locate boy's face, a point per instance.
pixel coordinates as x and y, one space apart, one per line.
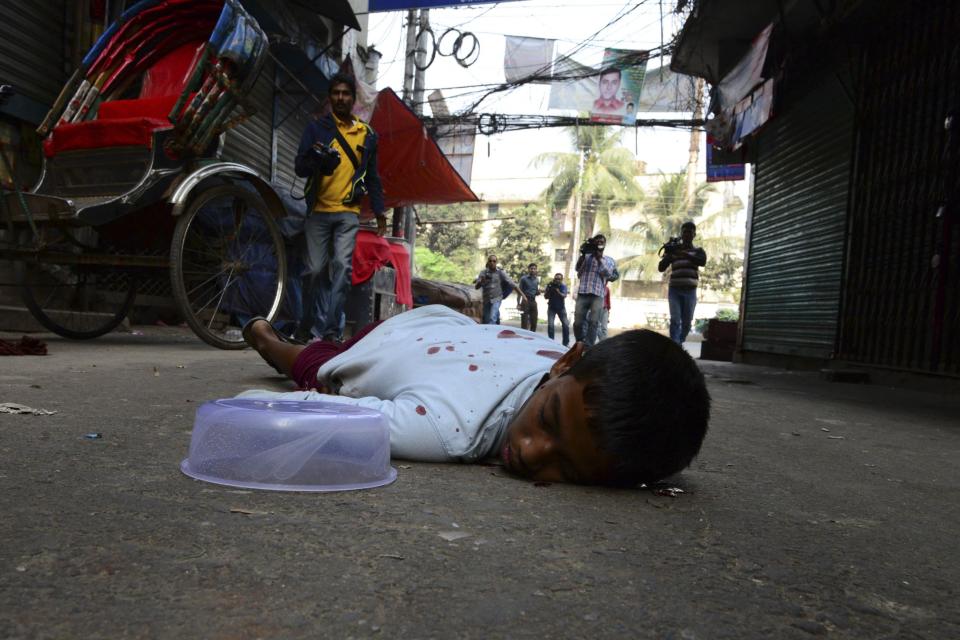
549 439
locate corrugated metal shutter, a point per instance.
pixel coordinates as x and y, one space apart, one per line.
902 304
251 143
292 117
798 229
32 48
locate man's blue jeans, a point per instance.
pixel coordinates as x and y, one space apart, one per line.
564 323
584 325
329 239
682 303
491 311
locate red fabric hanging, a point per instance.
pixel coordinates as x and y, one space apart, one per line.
411 166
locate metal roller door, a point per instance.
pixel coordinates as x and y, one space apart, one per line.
251 143
292 118
32 48
798 228
902 304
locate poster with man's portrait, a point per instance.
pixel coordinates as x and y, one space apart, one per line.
618 86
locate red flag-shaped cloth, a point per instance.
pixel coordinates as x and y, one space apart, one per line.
411 166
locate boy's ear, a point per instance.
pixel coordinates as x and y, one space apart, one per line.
567 360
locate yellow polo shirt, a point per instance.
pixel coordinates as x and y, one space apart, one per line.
333 189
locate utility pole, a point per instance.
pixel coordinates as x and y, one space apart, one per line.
694 146
577 217
421 61
409 66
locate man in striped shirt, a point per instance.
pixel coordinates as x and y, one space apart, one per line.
685 262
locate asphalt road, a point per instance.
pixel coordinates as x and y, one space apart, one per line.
815 508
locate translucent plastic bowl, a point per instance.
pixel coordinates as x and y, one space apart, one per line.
289 446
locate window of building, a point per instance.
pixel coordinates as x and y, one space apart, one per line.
559 255
493 209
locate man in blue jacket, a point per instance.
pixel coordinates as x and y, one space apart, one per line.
338 156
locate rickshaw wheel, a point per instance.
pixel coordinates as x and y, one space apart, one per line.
227 264
77 301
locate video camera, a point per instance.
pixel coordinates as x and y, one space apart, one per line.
325 157
590 247
671 245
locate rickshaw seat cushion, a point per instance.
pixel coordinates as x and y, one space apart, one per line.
99 134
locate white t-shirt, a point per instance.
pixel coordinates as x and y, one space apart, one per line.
447 386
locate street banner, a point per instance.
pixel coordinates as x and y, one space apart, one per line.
618 88
525 58
666 91
398 5
610 94
717 172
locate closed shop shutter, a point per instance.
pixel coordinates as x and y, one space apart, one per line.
902 304
798 228
292 119
251 143
32 48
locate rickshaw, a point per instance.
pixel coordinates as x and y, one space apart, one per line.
131 184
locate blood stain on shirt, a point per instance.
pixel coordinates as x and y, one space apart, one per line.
553 355
433 350
449 347
507 333
419 339
473 367
422 410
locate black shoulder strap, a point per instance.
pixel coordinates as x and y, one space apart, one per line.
346 148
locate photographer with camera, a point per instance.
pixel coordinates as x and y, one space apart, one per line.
556 293
685 261
338 156
595 270
496 284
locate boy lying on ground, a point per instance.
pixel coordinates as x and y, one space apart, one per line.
631 409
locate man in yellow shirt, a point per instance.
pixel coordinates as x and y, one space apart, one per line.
338 156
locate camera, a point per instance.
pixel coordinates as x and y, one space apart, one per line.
591 246
326 158
671 245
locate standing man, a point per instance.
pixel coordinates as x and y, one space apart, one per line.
495 284
595 270
530 286
338 156
556 293
685 261
604 316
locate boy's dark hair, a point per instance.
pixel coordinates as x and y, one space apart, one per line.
343 78
688 225
646 402
532 264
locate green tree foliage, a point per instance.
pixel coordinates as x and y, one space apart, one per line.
435 266
456 242
607 182
661 217
723 274
520 241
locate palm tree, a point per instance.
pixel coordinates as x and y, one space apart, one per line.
600 171
661 218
